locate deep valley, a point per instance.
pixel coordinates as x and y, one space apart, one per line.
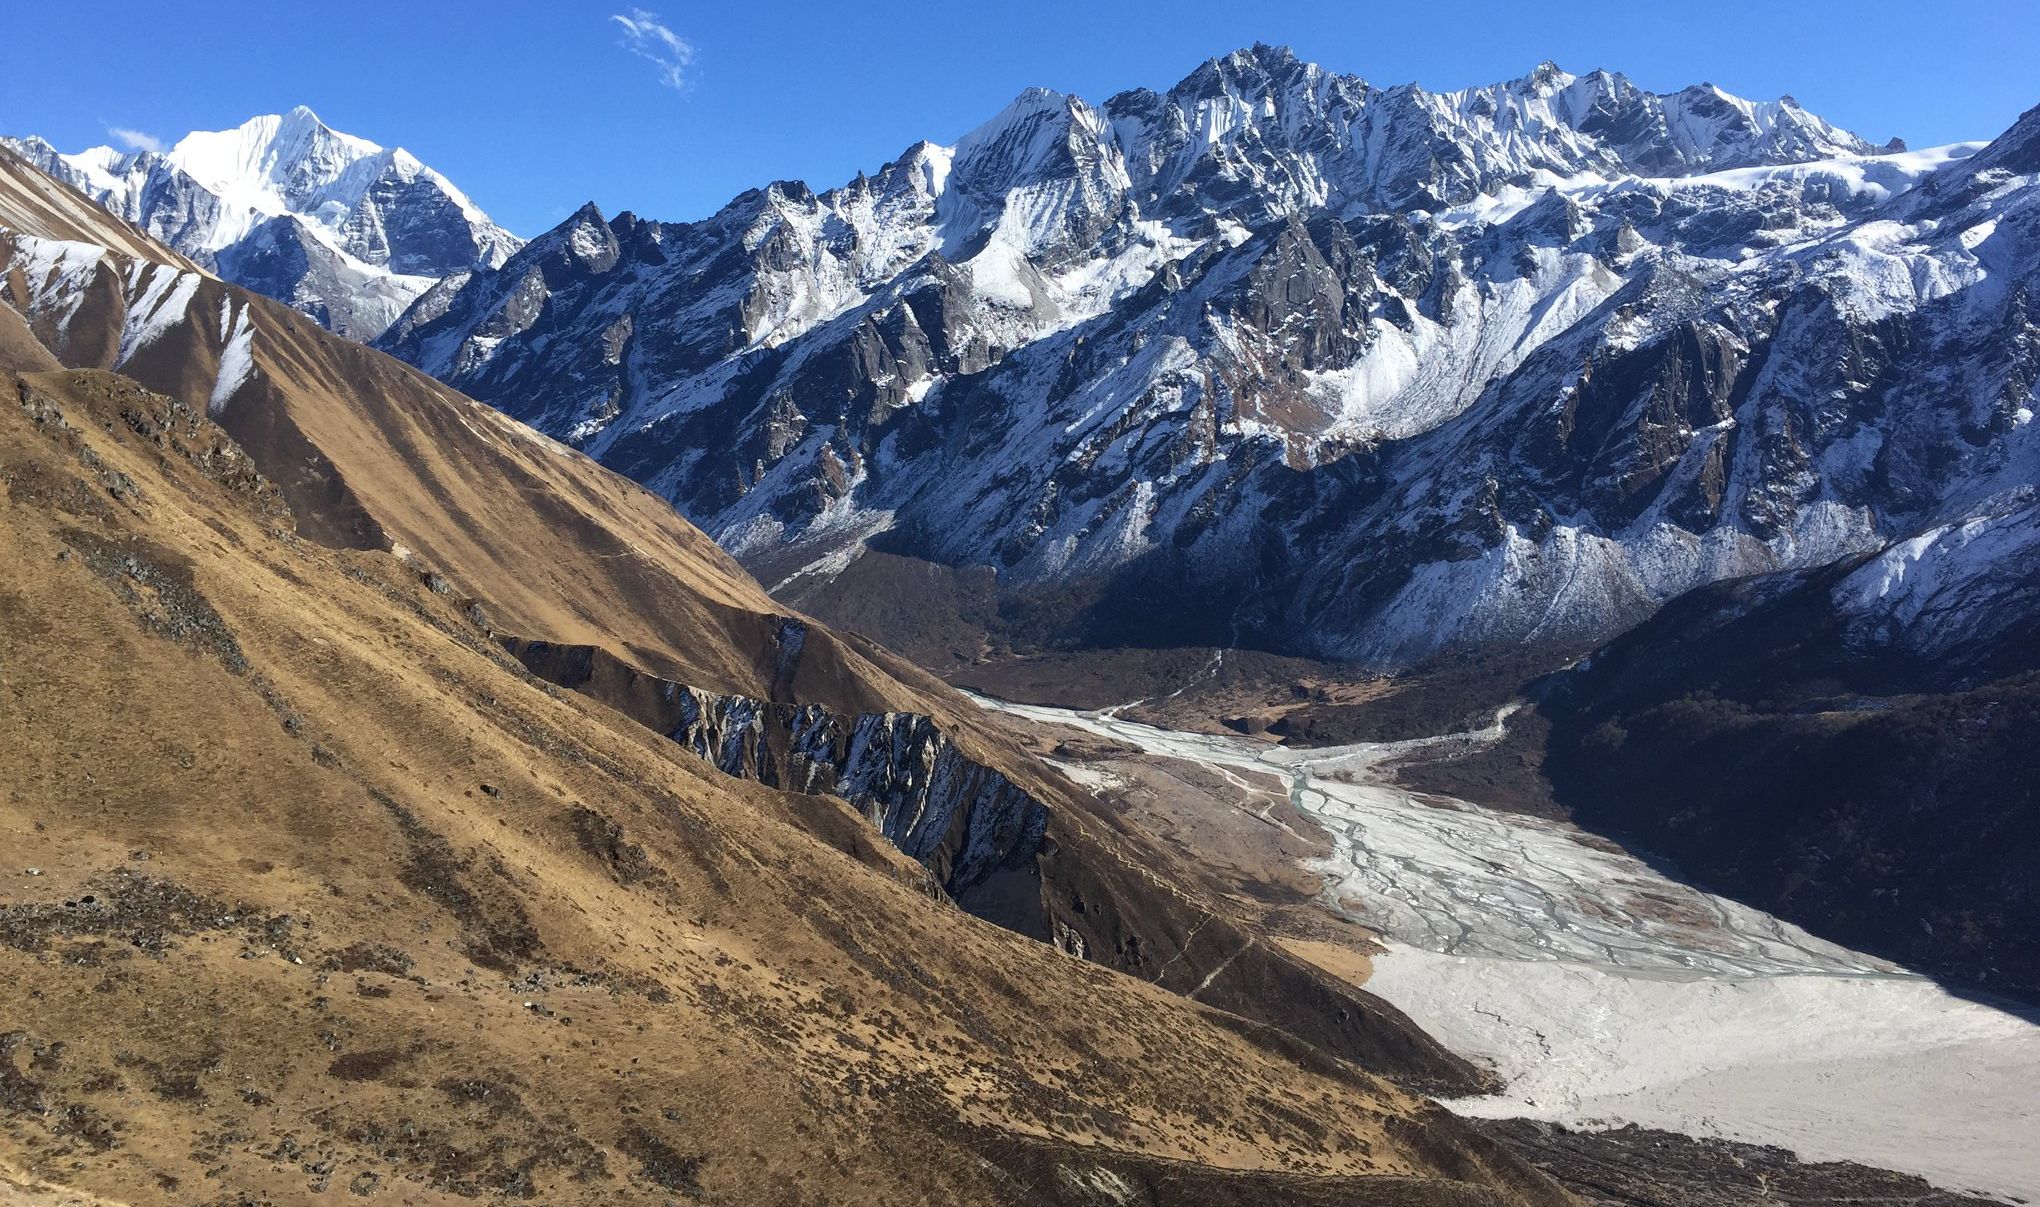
1275 640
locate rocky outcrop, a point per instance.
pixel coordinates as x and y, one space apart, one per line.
964 821
1007 855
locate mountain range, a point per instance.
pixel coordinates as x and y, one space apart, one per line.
1368 374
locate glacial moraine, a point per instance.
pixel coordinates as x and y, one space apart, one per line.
1606 992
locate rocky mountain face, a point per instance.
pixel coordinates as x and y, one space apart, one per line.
339 228
1283 359
961 819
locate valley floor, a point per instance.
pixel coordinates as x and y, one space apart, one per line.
1605 992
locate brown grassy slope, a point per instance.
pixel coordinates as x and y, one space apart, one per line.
20 350
333 898
372 454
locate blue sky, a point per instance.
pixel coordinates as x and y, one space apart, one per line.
534 107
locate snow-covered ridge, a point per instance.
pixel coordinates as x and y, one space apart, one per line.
1035 193
1953 591
157 301
344 229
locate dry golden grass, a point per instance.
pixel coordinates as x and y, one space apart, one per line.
1348 960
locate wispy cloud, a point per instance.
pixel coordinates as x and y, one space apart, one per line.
134 140
645 37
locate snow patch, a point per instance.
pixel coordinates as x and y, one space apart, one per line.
237 354
163 302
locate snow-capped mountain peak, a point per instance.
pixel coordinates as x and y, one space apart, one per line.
278 160
341 227
1547 78
1033 138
